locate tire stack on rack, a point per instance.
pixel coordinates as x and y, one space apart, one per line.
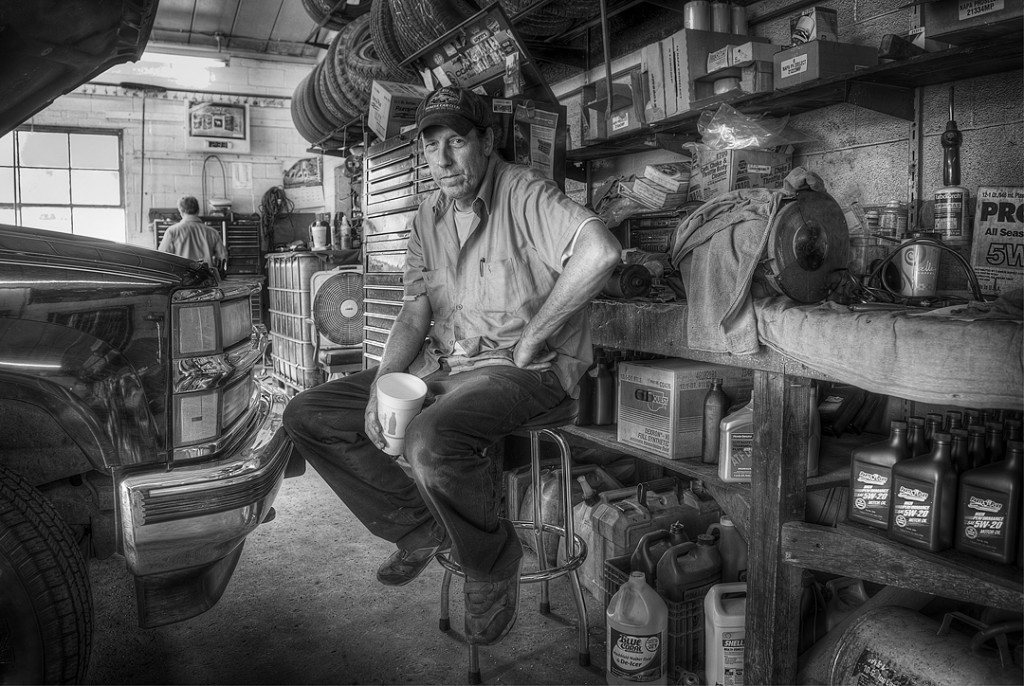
552 19
336 92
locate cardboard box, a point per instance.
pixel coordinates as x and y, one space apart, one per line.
997 248
814 23
628 104
661 403
652 67
753 77
685 58
970 21
820 59
741 55
718 171
392 106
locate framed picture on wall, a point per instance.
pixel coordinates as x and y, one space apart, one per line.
217 126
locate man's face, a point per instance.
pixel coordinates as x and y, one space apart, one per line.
457 163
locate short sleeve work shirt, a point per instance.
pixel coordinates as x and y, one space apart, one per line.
484 292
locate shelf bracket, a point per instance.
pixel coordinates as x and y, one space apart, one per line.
896 101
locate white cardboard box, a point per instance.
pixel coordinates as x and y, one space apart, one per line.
392 106
661 403
997 248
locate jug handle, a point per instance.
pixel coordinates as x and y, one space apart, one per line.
715 529
680 549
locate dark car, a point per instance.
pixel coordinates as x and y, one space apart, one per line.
132 415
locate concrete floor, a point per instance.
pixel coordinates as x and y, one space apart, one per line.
304 607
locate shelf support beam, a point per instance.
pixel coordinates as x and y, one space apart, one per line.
778 495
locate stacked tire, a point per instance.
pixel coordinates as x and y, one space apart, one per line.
337 91
332 14
401 28
553 19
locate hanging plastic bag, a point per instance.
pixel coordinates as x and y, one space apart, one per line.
729 129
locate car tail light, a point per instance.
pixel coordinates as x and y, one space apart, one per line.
197 417
236 399
196 329
235 321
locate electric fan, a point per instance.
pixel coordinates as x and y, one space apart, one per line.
336 309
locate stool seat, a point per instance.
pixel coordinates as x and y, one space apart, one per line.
575 548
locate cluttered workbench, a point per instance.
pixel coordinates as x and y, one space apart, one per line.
970 358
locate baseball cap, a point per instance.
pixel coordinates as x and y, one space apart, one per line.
457 108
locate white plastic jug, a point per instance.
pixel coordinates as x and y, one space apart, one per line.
725 611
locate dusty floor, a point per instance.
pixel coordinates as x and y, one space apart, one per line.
304 607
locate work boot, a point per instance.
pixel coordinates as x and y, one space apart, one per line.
491 608
405 565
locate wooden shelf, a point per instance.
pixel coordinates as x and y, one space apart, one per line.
887 88
859 551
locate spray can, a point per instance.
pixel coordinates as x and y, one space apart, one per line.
636 630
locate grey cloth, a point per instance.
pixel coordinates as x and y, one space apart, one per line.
716 251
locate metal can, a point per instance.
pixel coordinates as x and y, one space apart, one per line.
918 265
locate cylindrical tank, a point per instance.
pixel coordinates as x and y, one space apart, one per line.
896 645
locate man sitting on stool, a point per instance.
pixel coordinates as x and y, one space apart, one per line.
499 270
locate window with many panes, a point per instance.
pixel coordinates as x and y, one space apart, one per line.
67 180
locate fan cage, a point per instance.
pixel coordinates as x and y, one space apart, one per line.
337 307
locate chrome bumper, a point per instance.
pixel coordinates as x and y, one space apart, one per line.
195 515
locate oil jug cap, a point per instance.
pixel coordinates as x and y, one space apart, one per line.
726 520
705 539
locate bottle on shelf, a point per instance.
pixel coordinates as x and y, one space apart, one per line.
736 444
1012 429
732 548
976 445
716 405
585 402
994 441
971 417
871 477
954 420
603 390
989 508
924 498
958 450
932 423
636 633
916 443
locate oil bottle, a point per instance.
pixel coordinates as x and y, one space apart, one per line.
989 508
924 498
716 406
688 568
916 442
732 549
736 445
636 634
871 477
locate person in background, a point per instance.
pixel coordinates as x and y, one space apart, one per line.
194 239
500 267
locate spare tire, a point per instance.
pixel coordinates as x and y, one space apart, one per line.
362 60
421 22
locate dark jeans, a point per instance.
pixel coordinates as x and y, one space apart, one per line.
448 478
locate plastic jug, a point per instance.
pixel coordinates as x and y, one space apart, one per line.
652 546
725 611
688 568
736 445
732 548
636 632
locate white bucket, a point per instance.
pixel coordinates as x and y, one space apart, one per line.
725 610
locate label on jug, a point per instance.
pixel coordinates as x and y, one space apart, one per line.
983 526
870 494
634 657
912 516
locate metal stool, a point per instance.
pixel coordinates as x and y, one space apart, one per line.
575 548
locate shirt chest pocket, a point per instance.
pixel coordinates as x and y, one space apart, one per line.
499 289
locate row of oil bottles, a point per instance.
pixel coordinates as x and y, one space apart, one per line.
701 586
945 481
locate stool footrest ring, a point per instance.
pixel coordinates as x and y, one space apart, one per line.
567 566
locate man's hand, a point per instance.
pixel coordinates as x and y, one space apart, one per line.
371 424
533 357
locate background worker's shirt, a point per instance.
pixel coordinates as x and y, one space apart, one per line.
193 239
483 293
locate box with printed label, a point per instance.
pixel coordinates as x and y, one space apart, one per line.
751 77
392 106
820 59
740 55
627 107
652 68
997 248
961 22
685 58
718 171
661 403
